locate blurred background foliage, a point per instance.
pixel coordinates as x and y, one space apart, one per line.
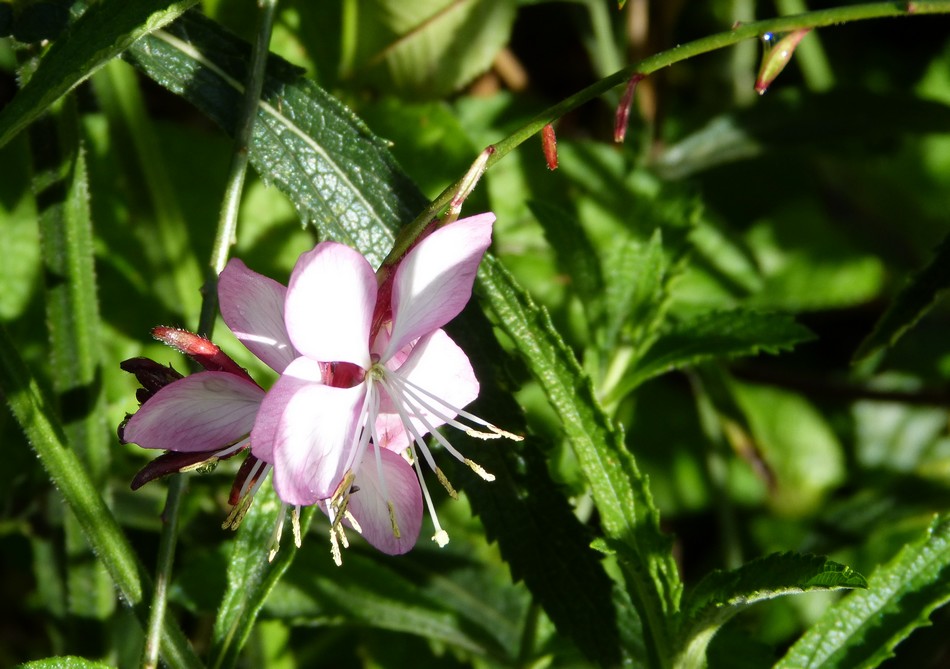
817 200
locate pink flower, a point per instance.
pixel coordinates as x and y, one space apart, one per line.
375 374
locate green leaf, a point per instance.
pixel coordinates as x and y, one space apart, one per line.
920 294
637 277
576 257
36 416
863 629
620 492
804 463
430 48
722 594
251 575
341 178
365 592
19 243
64 662
792 122
715 336
170 254
527 513
103 32
72 315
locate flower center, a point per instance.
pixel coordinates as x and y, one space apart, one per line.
343 374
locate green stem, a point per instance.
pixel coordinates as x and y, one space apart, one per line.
224 239
817 19
227 222
166 556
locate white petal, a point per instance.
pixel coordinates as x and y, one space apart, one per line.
434 281
306 431
252 305
330 303
201 412
435 364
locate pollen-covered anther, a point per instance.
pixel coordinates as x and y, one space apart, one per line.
335 548
494 432
477 468
203 467
238 511
392 519
441 537
275 536
443 479
353 522
340 500
295 525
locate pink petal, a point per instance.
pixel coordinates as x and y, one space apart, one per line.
330 302
434 281
252 305
306 431
202 412
436 364
370 507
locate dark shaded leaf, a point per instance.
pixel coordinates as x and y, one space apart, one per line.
103 32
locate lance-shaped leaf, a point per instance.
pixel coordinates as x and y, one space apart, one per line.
714 336
72 316
103 32
722 594
340 177
863 629
34 412
251 575
620 492
920 294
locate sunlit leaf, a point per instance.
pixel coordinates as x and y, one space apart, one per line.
863 629
430 47
722 594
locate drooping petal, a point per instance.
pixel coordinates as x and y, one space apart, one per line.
330 302
369 505
434 281
436 364
252 305
201 412
306 431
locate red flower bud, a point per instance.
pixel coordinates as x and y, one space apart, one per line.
549 146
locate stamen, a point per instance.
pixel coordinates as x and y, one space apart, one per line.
335 548
340 499
353 522
392 519
233 521
440 537
369 408
445 483
203 467
251 485
295 524
477 468
343 539
278 531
